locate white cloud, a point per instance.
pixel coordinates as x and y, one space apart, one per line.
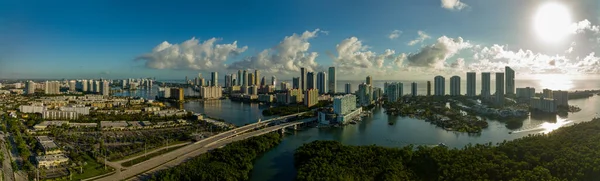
453 5
422 37
191 54
352 54
435 55
582 26
395 34
287 57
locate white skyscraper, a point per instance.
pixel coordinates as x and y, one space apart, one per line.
485 84
72 86
303 79
30 87
510 80
440 86
332 81
322 82
273 80
455 86
471 84
105 88
344 104
52 87
240 78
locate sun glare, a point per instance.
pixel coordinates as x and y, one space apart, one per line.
552 21
555 82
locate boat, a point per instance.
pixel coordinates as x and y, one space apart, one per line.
390 123
352 122
510 132
442 144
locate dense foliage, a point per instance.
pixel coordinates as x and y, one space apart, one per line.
570 153
292 109
232 162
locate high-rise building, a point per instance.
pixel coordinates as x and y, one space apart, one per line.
257 78
296 83
202 82
244 79
428 88
251 79
82 85
440 85
228 80
186 80
177 94
525 93
370 80
311 80
413 89
486 84
348 88
105 88
52 87
365 94
263 82
311 97
30 87
211 92
393 91
273 80
240 78
303 79
543 104
72 86
500 88
96 86
471 84
561 98
547 93
332 84
377 92
91 85
284 86
322 82
344 104
214 79
510 80
455 86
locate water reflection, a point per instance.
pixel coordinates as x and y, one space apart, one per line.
555 81
549 127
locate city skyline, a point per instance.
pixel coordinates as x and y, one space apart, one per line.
103 43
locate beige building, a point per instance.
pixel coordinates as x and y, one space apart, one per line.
311 97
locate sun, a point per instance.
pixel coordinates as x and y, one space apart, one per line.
552 21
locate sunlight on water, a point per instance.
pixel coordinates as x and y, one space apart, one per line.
549 127
555 82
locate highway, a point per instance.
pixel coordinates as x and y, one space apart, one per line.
178 156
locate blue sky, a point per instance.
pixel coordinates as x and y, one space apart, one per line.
115 39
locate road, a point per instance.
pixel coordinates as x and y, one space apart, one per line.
6 166
117 164
188 151
211 146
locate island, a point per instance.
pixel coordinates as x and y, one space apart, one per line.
553 156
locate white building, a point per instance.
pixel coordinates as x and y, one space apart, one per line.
105 88
344 104
51 161
52 87
32 108
30 87
440 86
59 115
211 92
78 110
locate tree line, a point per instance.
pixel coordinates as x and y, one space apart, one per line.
569 153
232 162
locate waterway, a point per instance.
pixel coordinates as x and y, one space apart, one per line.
277 164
